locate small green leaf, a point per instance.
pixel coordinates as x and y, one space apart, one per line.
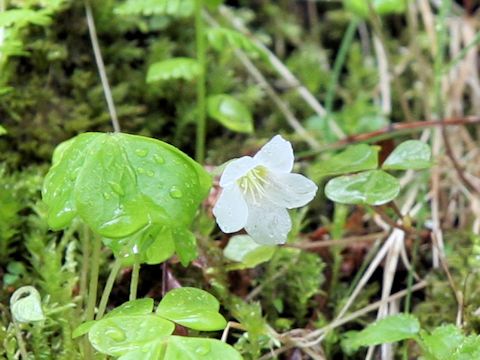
82 329
176 68
119 335
192 308
185 245
382 7
26 305
222 39
390 329
411 154
354 159
3 131
443 341
374 187
134 307
177 8
22 17
230 112
242 249
185 348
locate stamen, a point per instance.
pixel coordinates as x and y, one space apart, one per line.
253 183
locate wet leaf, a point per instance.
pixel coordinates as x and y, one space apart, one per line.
374 187
184 348
192 308
123 186
411 154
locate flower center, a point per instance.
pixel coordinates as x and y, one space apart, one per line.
253 182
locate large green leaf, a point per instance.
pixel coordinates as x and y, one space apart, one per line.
374 187
354 159
390 329
177 8
193 308
176 68
411 154
242 249
184 348
121 334
124 185
230 112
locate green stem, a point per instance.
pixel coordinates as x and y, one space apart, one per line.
201 85
85 265
338 228
338 64
21 344
93 285
108 288
134 281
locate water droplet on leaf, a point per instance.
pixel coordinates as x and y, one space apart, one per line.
116 188
150 173
106 196
115 334
141 170
175 192
203 349
141 152
158 159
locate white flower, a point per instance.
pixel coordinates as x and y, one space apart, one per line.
257 191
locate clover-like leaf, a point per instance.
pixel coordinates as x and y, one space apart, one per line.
118 335
230 112
242 249
374 187
387 330
176 68
192 308
185 348
26 305
133 307
354 159
124 185
411 154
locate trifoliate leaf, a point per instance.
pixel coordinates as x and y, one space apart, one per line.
176 68
125 186
374 187
192 308
230 112
411 154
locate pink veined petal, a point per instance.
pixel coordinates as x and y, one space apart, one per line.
290 190
231 211
235 169
268 224
276 155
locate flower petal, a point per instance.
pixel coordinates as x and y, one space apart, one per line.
231 211
268 224
237 168
276 155
290 190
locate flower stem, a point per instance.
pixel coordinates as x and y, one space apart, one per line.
134 281
108 288
93 285
201 86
